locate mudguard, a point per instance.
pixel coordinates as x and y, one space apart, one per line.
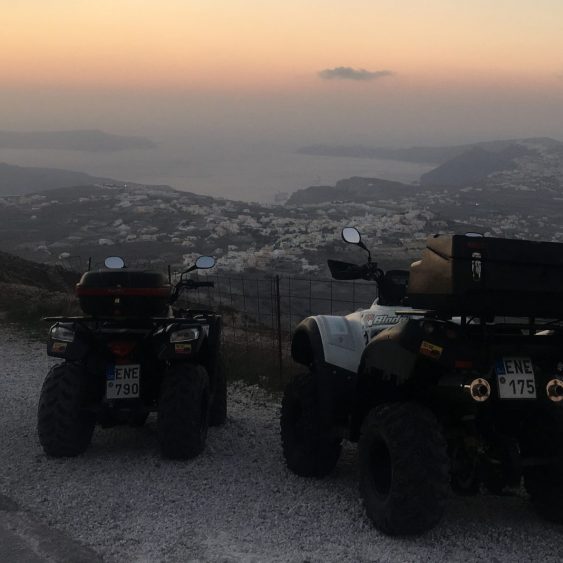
332 348
391 356
340 341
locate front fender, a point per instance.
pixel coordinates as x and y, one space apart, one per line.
335 385
306 344
336 341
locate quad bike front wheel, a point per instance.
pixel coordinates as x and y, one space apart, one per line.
64 424
183 411
404 468
309 449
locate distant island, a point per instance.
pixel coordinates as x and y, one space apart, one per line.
88 140
18 180
436 155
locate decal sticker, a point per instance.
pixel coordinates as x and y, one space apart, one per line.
371 319
368 319
431 350
385 320
59 347
183 348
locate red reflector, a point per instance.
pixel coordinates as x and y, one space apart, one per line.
463 364
121 349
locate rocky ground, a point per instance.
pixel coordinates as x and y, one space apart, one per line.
236 502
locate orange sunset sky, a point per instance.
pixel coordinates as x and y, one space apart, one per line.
178 63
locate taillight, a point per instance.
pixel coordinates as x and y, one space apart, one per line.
121 349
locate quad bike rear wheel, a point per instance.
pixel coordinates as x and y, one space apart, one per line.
309 449
64 424
544 483
183 411
404 468
545 488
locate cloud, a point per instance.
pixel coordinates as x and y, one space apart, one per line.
349 73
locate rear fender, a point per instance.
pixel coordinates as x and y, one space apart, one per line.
387 366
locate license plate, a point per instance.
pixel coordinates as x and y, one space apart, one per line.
516 378
123 381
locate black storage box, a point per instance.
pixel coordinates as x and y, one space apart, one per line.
123 293
468 275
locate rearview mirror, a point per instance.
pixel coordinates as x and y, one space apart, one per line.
114 262
351 235
205 262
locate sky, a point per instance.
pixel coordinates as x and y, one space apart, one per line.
377 72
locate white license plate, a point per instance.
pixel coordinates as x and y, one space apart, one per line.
516 378
123 381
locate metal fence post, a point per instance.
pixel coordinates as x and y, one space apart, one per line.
279 325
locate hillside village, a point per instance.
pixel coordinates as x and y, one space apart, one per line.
158 225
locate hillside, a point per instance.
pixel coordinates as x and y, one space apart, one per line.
436 154
29 290
350 190
16 270
16 180
473 166
157 225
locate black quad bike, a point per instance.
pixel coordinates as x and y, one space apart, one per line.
456 381
130 355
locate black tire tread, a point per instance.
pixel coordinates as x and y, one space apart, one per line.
544 484
65 428
420 469
184 393
318 454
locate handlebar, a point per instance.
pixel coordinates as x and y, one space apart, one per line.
204 284
188 284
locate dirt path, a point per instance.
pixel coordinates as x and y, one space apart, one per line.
236 502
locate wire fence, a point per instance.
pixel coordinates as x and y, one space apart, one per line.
261 313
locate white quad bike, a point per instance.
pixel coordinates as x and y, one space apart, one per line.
453 377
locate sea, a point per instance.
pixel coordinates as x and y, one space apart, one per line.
263 172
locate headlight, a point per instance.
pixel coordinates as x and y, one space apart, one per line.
61 333
184 335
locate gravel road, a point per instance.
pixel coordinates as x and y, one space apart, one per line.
236 502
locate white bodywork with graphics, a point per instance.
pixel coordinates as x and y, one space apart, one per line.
345 338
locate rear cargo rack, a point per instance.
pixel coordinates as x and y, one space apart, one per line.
487 277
